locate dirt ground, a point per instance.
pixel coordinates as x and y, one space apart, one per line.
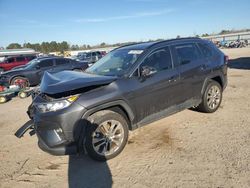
188 149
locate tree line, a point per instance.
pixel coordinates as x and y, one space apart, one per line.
53 46
44 47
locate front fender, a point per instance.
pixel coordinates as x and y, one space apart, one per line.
121 103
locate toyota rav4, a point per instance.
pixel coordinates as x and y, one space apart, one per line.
93 112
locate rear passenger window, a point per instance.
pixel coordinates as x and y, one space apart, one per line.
160 60
20 59
46 63
206 50
187 53
29 58
10 60
61 61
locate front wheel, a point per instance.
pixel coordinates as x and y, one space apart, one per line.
20 81
106 135
212 97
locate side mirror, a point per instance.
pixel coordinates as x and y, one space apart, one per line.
38 67
147 71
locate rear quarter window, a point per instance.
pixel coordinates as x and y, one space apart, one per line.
186 53
61 61
206 50
46 63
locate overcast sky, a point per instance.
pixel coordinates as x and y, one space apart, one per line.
111 21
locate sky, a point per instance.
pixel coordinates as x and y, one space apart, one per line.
111 21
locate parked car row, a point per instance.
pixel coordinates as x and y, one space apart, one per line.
90 57
31 73
231 44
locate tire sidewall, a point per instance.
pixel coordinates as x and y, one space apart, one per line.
94 122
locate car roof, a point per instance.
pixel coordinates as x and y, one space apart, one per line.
49 57
137 46
146 45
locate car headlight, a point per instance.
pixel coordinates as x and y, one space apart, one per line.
55 105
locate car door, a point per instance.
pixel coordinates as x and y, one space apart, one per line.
159 91
42 66
188 58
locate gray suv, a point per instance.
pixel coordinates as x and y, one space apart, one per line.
133 85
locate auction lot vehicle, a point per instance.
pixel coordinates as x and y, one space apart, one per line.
5 92
32 72
126 89
90 57
12 62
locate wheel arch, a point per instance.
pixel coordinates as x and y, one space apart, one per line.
118 106
15 76
218 78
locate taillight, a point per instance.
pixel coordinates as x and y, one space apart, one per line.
226 59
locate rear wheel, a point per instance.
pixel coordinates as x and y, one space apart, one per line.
212 97
106 135
20 81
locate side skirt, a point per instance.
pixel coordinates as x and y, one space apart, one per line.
167 112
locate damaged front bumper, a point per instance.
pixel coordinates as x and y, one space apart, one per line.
58 132
28 126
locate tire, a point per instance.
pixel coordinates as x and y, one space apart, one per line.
22 94
3 99
20 81
211 98
101 143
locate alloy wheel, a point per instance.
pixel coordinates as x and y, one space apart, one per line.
108 137
213 97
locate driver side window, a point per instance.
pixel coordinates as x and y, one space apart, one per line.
159 60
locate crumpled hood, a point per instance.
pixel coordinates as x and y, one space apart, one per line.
71 80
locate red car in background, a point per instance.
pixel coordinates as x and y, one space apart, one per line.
12 62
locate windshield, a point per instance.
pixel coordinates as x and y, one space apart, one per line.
31 63
115 63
